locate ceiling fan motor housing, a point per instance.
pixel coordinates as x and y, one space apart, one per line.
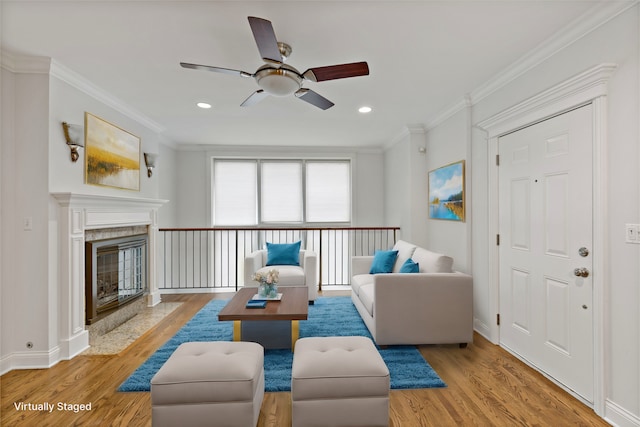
282 81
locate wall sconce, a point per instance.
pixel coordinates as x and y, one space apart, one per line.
74 136
150 161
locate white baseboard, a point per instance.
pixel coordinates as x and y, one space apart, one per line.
619 417
153 299
482 328
5 364
29 360
74 346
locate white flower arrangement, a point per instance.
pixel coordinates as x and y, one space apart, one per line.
270 277
268 281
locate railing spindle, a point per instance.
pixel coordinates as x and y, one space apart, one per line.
220 254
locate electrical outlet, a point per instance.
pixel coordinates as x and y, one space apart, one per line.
28 223
631 233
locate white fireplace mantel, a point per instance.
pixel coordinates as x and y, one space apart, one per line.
109 211
77 213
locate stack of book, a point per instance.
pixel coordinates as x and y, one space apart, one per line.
252 303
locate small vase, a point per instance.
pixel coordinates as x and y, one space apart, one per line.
267 290
273 290
262 290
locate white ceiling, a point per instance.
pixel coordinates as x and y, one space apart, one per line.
424 56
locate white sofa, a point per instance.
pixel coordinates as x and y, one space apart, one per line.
433 306
306 274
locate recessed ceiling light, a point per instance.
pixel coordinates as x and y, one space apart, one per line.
203 105
364 109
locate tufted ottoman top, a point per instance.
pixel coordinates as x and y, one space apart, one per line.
337 367
209 372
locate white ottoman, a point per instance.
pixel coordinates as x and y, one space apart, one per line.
339 381
209 383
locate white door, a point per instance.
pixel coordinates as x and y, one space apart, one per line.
545 208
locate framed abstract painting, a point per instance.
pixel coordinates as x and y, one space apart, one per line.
112 155
446 192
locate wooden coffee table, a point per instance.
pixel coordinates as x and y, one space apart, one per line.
276 325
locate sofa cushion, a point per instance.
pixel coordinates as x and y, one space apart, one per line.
431 262
283 253
360 279
405 251
288 275
383 262
410 266
366 297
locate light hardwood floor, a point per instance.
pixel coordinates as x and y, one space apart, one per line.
486 387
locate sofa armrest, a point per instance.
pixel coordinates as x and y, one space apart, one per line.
252 263
361 265
438 305
311 273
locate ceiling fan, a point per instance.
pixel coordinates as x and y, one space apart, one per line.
279 79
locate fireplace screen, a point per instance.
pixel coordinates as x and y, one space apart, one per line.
116 274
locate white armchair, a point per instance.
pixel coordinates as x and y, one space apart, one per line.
306 274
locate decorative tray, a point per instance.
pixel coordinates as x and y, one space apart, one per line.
259 298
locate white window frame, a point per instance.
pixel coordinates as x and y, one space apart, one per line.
303 161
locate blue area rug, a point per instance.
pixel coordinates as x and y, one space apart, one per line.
329 316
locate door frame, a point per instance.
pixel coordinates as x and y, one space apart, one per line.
588 87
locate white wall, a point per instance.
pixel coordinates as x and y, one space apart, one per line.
368 189
446 144
194 180
166 174
396 186
618 42
35 162
69 104
7 92
25 194
405 183
193 189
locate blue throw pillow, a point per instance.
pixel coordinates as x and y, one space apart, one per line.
410 266
283 253
383 262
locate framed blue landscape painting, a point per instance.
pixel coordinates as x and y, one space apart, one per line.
446 192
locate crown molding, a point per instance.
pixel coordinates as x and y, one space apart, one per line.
79 82
579 28
25 64
279 150
415 128
448 112
409 129
580 88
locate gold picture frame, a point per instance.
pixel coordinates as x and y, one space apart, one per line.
112 155
446 192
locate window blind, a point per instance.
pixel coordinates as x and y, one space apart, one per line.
328 191
235 192
281 191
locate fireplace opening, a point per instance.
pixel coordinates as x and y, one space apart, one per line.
115 273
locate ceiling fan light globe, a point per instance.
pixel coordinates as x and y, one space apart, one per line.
278 81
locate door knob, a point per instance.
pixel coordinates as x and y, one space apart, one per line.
581 272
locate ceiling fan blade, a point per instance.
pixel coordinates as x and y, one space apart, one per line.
265 39
215 69
254 98
314 98
333 72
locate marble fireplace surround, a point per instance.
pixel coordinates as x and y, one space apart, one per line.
78 213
